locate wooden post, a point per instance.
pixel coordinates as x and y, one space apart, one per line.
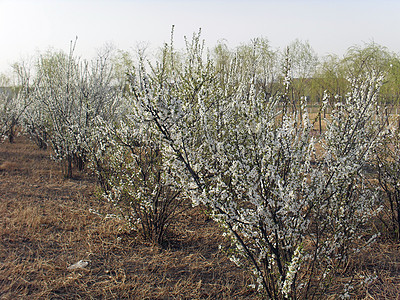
320 123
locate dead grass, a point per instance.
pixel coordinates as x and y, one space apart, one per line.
48 223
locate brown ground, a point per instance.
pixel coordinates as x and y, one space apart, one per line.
48 223
46 226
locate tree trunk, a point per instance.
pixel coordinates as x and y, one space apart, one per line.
68 167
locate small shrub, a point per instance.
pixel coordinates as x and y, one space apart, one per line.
133 176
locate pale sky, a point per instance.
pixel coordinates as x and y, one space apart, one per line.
28 27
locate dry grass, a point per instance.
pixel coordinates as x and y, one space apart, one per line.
48 223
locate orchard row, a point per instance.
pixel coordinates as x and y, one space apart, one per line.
230 130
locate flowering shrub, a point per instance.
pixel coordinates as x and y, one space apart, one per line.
292 204
130 166
68 96
14 101
387 165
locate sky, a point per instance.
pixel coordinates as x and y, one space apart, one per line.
30 27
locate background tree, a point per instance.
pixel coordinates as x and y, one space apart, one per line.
14 101
70 94
303 62
258 64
